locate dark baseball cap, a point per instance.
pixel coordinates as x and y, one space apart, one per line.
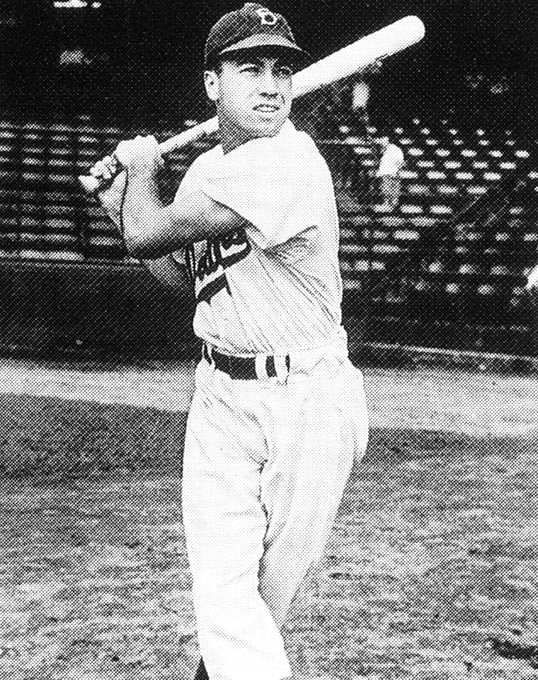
251 27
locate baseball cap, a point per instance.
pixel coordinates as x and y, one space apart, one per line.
250 27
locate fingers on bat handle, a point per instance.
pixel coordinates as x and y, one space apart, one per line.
92 184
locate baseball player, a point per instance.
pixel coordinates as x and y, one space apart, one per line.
279 412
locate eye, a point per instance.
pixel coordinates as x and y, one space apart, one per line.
250 68
285 71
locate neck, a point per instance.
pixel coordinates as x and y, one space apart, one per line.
232 136
231 139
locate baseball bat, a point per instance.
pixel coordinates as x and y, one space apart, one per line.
341 64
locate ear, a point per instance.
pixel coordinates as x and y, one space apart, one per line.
211 82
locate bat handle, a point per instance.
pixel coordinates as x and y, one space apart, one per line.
93 185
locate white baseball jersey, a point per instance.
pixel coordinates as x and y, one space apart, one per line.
391 161
275 286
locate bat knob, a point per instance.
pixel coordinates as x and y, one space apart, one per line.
90 184
95 182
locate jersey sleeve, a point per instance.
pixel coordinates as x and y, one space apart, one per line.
269 182
190 180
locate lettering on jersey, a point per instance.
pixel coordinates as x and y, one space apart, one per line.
208 260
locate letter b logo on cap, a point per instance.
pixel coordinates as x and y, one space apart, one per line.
267 18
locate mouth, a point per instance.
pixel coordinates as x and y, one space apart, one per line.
267 108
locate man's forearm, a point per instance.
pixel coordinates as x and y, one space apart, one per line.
152 229
142 212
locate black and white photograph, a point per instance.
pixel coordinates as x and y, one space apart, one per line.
268 340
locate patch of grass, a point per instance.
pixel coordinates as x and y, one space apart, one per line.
53 437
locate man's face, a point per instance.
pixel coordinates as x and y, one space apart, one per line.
253 94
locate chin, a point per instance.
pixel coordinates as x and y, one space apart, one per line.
268 128
266 132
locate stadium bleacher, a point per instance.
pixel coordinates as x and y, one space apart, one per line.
43 215
455 251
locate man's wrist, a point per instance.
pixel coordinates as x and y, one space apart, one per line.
141 172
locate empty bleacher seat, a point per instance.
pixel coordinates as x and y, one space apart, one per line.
43 215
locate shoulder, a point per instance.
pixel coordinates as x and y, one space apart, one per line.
399 152
207 159
201 167
289 147
297 143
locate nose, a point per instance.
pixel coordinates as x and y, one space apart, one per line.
268 83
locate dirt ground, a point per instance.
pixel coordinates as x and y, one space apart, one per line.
430 572
458 400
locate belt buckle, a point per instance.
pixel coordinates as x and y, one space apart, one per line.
273 368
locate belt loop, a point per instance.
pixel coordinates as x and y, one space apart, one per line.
260 362
282 368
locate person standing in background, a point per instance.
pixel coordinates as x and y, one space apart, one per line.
388 173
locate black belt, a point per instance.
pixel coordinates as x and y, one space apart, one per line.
241 368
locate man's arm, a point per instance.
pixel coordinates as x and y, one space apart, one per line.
168 271
152 229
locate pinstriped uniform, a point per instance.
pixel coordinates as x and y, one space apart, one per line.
268 451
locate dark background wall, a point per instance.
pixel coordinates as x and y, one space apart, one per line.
135 63
143 58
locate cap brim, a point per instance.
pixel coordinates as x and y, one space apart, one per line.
267 40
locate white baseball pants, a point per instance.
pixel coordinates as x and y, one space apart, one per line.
265 466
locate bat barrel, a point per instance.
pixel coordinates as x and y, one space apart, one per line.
360 54
342 64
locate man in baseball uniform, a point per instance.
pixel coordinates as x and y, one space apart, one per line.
279 411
